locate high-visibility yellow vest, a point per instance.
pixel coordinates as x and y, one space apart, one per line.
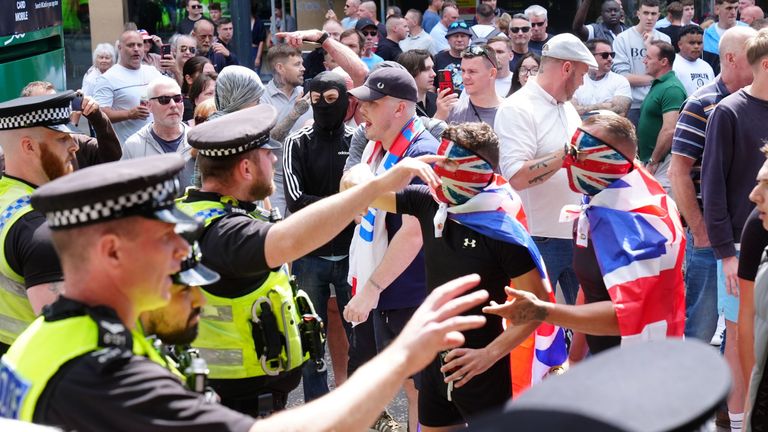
225 338
15 310
41 350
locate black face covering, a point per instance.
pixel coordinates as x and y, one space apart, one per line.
329 116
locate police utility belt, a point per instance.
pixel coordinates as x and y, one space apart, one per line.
270 330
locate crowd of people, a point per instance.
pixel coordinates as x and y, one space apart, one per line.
603 187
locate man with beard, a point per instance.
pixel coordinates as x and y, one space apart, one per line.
313 162
210 47
177 322
38 148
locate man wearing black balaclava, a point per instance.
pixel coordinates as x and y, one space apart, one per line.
313 162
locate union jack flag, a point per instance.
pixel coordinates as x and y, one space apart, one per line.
593 165
639 243
467 175
497 212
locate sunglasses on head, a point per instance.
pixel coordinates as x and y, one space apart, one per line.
165 100
370 32
540 24
605 55
197 6
184 48
525 29
461 24
476 51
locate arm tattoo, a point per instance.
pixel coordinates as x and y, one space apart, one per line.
529 312
542 163
541 178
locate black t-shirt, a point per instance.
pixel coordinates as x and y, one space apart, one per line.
313 64
388 49
29 250
113 390
233 245
673 31
754 239
462 251
429 107
592 284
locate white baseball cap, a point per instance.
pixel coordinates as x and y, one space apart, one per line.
566 46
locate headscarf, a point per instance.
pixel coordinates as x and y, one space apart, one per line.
236 88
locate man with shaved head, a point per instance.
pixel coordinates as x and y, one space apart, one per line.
121 90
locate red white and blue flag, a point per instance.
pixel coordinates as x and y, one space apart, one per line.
497 213
639 243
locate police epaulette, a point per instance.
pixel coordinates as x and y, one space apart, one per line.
109 359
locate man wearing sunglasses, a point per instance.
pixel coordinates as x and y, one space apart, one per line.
369 31
539 36
166 133
602 88
479 101
194 14
520 36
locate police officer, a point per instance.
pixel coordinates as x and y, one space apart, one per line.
84 366
38 148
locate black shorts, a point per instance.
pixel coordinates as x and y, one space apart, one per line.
487 391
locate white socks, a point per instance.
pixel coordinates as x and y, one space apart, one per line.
736 420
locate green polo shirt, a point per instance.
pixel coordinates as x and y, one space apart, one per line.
667 94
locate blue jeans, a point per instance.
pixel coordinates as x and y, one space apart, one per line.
700 291
558 257
315 275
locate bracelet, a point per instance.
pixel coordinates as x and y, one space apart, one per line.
375 285
323 38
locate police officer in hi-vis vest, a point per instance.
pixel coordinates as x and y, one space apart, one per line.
38 148
84 365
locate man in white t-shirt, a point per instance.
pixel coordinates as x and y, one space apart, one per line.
533 126
500 45
602 88
120 90
690 69
630 47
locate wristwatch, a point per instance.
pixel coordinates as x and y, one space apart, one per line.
322 38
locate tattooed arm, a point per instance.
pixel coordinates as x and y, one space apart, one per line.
537 171
597 319
283 127
44 294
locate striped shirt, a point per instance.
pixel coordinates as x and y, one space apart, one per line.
689 135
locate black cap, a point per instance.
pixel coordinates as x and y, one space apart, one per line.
235 133
136 187
363 23
458 27
193 272
387 81
51 111
646 386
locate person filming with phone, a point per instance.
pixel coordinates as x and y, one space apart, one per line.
479 101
